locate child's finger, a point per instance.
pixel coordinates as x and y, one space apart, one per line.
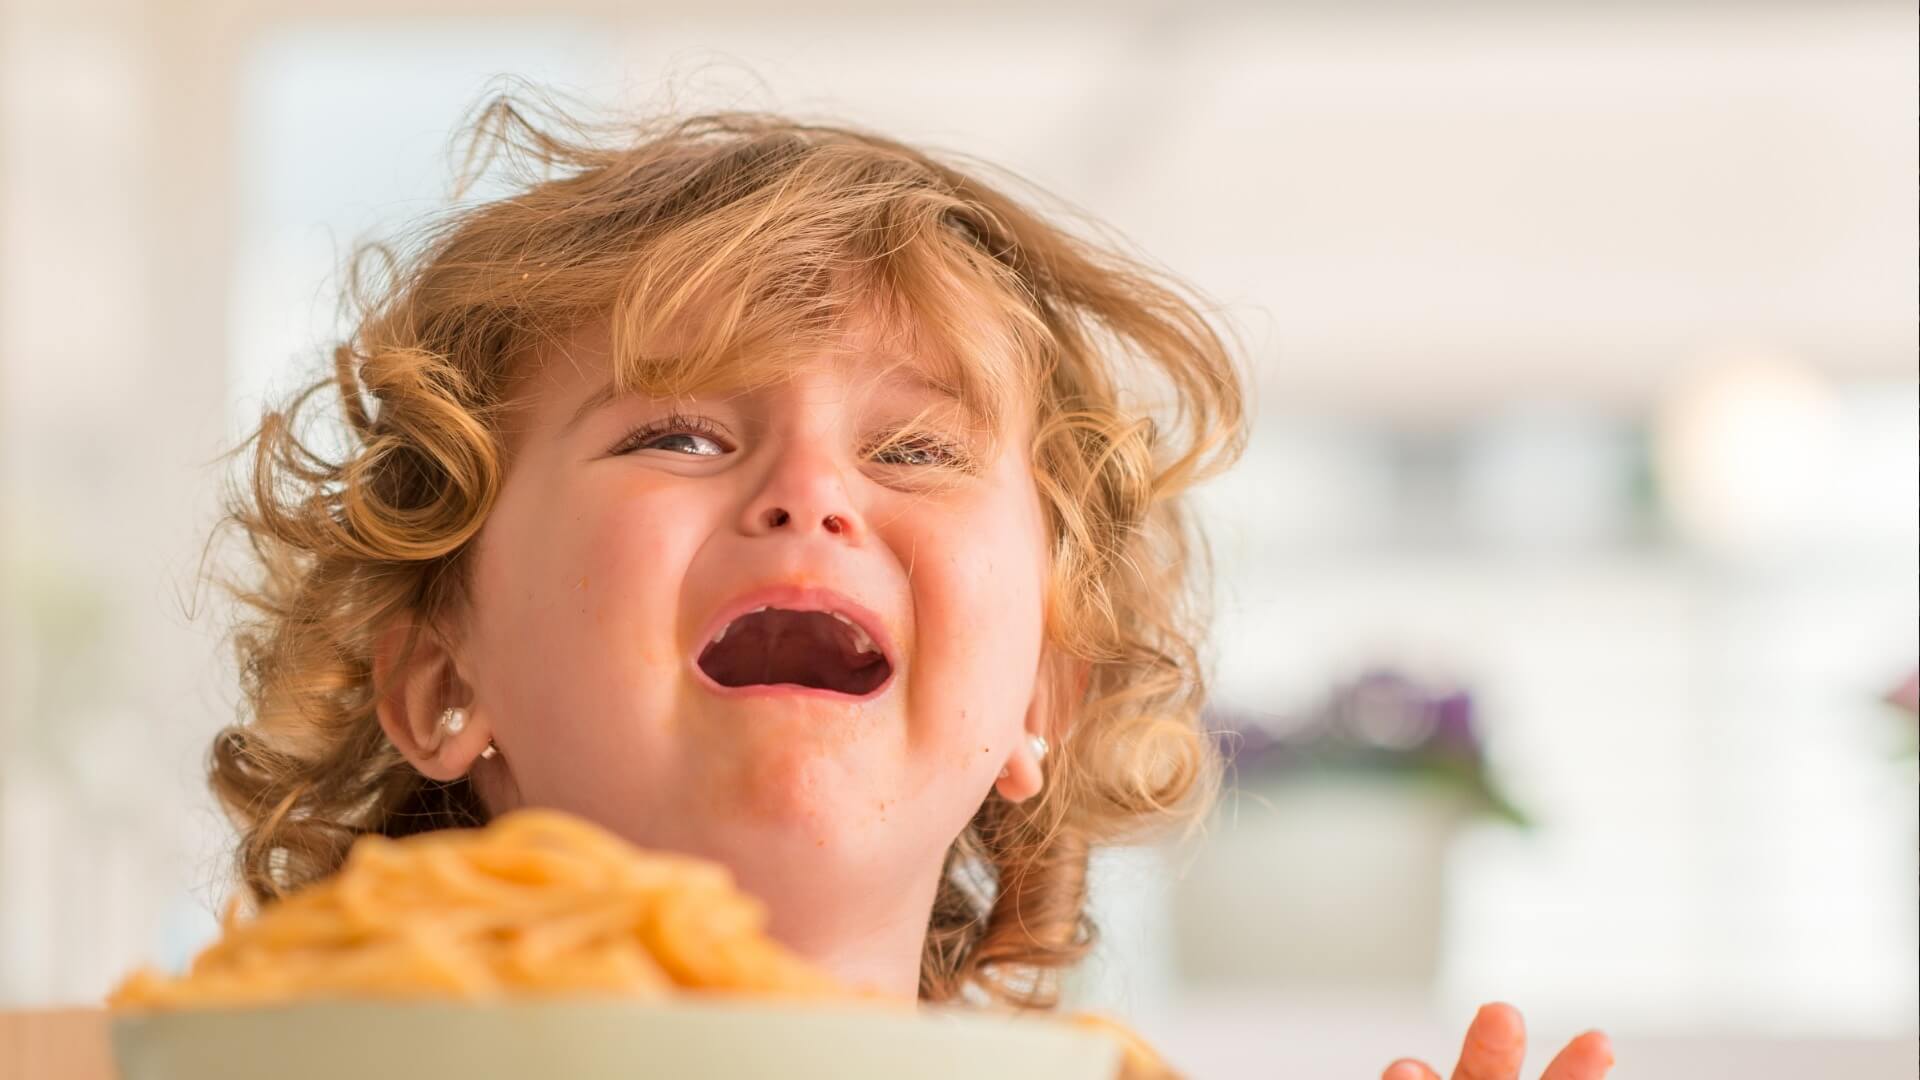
1587 1057
1496 1045
1409 1069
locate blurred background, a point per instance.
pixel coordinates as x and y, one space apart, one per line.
1564 593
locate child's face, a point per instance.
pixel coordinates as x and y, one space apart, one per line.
605 567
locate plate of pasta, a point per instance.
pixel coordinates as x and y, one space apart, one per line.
542 945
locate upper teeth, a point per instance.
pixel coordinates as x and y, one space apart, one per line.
861 641
723 630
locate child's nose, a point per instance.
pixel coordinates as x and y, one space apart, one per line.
778 517
804 494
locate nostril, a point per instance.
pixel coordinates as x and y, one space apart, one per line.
832 523
776 517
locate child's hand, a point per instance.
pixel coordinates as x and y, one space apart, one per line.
1497 1045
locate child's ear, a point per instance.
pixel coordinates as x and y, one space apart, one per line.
1082 674
1058 698
1047 717
416 687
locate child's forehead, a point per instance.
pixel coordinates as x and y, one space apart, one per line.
909 385
596 363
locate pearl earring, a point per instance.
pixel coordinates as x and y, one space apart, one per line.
453 721
1035 743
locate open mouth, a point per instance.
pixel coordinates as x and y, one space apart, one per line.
818 649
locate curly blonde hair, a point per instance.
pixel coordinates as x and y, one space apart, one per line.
366 520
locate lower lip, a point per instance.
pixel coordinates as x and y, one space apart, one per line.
787 689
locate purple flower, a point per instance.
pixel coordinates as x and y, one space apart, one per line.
1453 722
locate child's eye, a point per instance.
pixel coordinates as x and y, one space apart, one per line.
698 435
919 449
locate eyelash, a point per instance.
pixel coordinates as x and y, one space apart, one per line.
952 457
681 423
671 424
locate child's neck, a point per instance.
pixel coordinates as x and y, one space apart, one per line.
872 941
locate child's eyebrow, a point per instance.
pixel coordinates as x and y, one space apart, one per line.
603 396
917 378
901 375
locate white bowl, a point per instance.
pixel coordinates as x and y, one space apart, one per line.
601 1039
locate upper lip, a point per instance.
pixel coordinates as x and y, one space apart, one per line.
799 598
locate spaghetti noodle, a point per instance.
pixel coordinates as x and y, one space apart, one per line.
538 902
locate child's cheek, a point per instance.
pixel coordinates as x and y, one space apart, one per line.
625 581
981 615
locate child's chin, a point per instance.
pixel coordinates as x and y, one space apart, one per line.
809 783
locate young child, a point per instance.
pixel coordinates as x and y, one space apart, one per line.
772 492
